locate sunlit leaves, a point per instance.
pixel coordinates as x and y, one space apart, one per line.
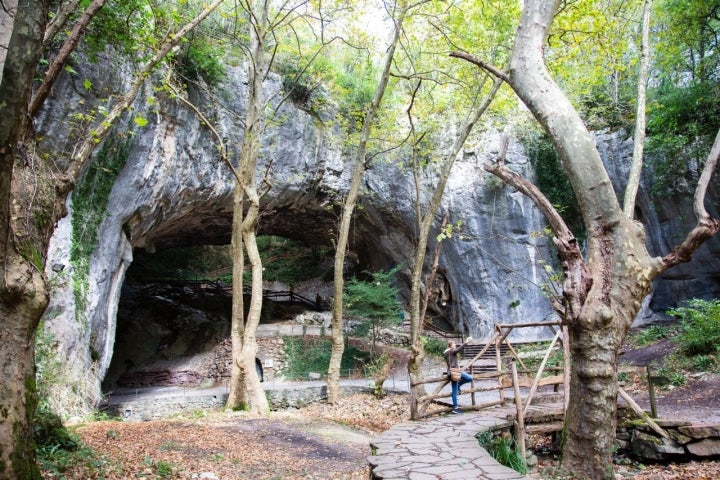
687 37
593 43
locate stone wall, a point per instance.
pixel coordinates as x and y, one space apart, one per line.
687 440
153 406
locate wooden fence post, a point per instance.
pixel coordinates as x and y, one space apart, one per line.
520 420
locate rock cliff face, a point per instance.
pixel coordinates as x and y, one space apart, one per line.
173 191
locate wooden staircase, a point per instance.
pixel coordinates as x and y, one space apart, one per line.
488 361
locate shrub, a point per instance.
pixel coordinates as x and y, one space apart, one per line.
434 346
49 431
700 327
58 450
375 299
650 335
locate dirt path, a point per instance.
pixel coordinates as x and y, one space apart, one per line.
318 442
698 400
231 448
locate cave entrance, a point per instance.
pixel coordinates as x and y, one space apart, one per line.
173 318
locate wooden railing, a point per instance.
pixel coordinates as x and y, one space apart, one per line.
207 284
419 405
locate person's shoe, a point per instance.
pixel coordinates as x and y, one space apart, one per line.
457 410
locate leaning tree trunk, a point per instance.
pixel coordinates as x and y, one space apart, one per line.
338 345
23 287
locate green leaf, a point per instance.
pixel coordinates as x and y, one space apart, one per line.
140 121
70 70
87 84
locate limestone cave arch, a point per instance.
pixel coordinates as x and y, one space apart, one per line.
166 330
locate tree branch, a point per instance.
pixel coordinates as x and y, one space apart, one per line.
637 160
82 155
577 281
68 47
58 21
706 226
482 64
222 148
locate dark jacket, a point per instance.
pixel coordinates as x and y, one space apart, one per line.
451 356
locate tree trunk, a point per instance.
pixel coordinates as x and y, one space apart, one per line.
425 223
258 400
245 345
23 239
6 28
596 337
602 300
237 397
23 287
338 341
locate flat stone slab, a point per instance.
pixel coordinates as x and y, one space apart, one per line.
443 447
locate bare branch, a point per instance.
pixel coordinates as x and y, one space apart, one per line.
637 160
577 280
82 155
58 21
706 226
222 148
483 65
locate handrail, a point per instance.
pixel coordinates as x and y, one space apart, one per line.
419 404
175 279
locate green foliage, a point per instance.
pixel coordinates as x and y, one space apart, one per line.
284 260
677 377
375 299
684 98
290 261
59 450
433 346
49 431
201 261
649 335
533 354
300 85
311 354
610 105
682 121
686 39
161 468
700 327
551 178
89 201
48 367
355 86
503 449
201 58
124 27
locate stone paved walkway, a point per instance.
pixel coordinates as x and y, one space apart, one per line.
444 447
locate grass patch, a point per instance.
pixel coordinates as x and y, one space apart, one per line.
503 449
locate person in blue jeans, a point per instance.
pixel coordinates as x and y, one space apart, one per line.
451 358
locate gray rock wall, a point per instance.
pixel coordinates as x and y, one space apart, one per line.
174 191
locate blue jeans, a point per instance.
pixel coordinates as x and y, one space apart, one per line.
464 378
